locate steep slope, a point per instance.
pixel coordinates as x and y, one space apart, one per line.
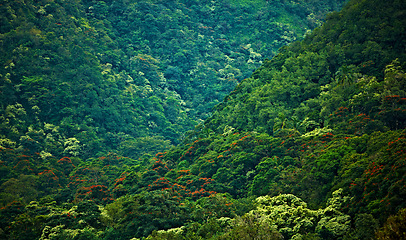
312 146
359 40
132 76
327 113
298 111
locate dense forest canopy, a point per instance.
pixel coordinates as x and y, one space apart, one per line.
306 139
133 76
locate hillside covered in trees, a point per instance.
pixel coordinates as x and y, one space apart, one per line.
307 144
132 76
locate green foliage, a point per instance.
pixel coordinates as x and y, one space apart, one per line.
96 95
249 227
294 82
365 227
293 219
20 189
107 73
394 227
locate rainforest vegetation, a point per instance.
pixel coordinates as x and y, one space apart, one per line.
246 119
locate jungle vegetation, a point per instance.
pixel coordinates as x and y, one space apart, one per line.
245 119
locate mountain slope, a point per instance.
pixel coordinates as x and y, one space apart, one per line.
117 74
325 114
360 39
312 146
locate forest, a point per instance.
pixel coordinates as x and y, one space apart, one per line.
245 119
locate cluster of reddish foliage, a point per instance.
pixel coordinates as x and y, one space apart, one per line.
341 112
392 97
367 64
381 180
189 151
373 169
183 173
94 192
69 215
201 193
66 164
352 184
75 181
24 165
179 191
358 124
239 142
192 149
160 167
187 172
121 179
190 189
49 174
393 103
327 136
78 178
160 155
396 141
160 183
65 161
397 147
205 181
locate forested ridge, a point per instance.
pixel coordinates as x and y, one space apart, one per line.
133 76
307 144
